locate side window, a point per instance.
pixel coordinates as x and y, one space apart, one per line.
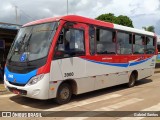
105 41
150 45
124 43
70 43
138 44
60 42
76 40
92 40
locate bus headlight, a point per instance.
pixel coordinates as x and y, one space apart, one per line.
35 79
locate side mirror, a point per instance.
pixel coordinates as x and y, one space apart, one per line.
60 39
68 36
69 25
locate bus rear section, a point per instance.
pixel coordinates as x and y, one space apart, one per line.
55 58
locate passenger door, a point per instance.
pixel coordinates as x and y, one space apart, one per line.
67 63
70 46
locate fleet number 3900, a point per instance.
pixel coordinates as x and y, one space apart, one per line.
68 74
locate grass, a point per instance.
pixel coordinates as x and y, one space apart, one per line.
1 86
3 89
157 61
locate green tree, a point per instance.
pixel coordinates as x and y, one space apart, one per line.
121 20
107 17
149 28
124 20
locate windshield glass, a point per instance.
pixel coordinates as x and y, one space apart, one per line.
32 42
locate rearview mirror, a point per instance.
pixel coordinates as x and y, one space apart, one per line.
68 36
60 39
69 25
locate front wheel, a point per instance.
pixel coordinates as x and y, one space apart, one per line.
132 81
64 93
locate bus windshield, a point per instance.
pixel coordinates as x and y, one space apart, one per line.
32 42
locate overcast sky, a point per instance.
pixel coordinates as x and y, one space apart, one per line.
142 12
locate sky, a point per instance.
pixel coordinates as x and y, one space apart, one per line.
141 12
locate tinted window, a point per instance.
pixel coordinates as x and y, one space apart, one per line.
76 40
70 43
92 39
138 45
32 42
150 48
124 43
105 42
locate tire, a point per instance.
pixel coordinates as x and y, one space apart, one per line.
132 81
64 94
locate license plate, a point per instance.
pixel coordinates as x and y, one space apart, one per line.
16 92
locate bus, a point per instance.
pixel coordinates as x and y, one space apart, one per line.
70 55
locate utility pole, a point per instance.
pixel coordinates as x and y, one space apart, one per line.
16 14
67 7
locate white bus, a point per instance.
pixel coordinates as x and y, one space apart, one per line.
58 57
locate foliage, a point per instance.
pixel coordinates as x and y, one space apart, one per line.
149 28
121 20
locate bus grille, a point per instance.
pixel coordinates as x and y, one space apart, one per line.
17 84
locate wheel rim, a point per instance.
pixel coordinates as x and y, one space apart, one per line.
64 94
132 81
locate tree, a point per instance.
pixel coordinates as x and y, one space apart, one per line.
121 20
107 17
149 28
124 20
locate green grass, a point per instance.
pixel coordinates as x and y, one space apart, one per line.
2 86
157 61
3 89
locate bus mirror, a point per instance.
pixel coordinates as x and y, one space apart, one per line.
67 36
60 41
69 25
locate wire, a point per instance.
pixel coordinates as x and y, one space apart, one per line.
24 13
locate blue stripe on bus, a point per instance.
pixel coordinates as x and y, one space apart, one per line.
139 62
19 78
112 64
120 64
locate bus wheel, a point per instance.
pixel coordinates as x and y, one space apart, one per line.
132 81
64 93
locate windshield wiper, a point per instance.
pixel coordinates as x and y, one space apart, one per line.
27 45
20 43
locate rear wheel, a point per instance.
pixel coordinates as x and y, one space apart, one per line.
64 93
132 81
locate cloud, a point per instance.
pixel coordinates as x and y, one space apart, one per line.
157 27
142 12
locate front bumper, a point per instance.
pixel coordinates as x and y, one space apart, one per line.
40 90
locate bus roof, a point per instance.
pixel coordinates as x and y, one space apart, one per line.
75 18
